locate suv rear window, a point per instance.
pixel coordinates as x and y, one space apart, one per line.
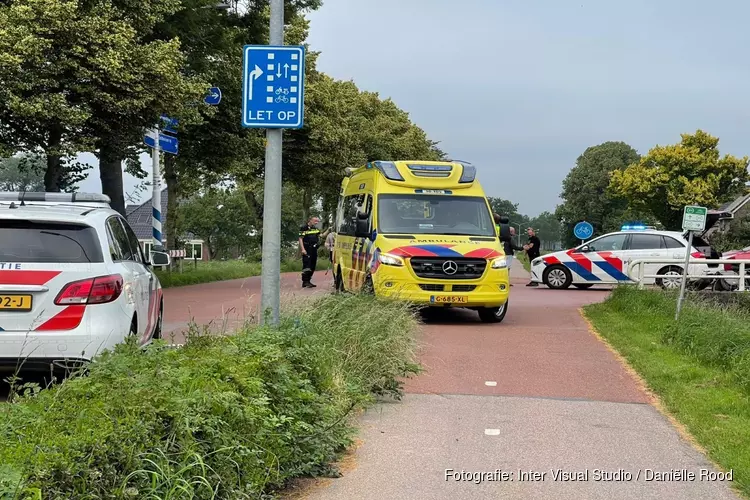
31 241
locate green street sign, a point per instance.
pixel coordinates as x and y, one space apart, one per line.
694 218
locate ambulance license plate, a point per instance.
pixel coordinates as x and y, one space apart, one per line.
449 299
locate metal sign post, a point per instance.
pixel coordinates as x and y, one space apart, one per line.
693 219
583 231
169 144
273 98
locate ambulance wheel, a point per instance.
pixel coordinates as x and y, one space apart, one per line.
367 287
493 314
339 280
583 286
557 277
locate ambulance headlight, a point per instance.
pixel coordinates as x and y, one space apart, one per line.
500 263
390 260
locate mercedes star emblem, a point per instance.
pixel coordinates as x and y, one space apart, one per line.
450 267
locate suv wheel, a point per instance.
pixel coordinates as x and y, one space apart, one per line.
673 277
557 277
159 319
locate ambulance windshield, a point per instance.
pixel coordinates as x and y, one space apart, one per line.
434 214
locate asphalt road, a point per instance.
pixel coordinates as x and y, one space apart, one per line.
520 400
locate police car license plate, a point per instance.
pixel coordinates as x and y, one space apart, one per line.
449 299
15 302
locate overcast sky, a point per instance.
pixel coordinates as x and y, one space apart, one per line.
522 87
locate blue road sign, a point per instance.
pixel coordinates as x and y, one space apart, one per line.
167 143
214 96
583 230
273 86
169 124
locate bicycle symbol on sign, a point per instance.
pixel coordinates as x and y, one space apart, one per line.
281 95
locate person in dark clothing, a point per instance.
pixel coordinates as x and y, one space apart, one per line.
510 249
533 249
309 240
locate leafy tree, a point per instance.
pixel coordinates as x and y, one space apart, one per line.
89 76
44 48
346 127
585 191
17 177
26 173
547 227
688 173
220 218
509 209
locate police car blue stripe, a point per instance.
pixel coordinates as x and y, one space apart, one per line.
612 271
581 271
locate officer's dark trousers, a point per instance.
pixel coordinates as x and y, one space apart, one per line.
309 262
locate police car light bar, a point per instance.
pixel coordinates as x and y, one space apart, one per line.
55 197
636 227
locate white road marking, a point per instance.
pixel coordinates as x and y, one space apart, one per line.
492 432
490 383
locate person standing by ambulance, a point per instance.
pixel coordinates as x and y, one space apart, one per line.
533 249
309 241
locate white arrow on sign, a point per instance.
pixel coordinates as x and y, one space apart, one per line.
254 75
278 70
286 70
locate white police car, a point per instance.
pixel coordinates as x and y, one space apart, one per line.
605 260
73 280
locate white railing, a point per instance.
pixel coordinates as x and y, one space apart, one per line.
743 274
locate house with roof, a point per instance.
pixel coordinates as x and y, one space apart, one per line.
139 218
737 208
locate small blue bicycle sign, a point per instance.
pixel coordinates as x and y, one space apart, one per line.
583 230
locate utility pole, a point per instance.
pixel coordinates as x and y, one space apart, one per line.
271 244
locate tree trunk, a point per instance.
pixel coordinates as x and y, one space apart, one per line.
306 203
53 174
173 193
110 173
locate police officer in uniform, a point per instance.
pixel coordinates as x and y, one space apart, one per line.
309 240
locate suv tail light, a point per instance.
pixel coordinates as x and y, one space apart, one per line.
697 255
91 291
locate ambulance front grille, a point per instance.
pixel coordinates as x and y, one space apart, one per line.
433 268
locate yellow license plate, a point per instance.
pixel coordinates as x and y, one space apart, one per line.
15 302
450 299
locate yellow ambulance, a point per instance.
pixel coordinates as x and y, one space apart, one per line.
423 232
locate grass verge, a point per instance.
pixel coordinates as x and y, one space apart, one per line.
222 417
207 272
699 366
